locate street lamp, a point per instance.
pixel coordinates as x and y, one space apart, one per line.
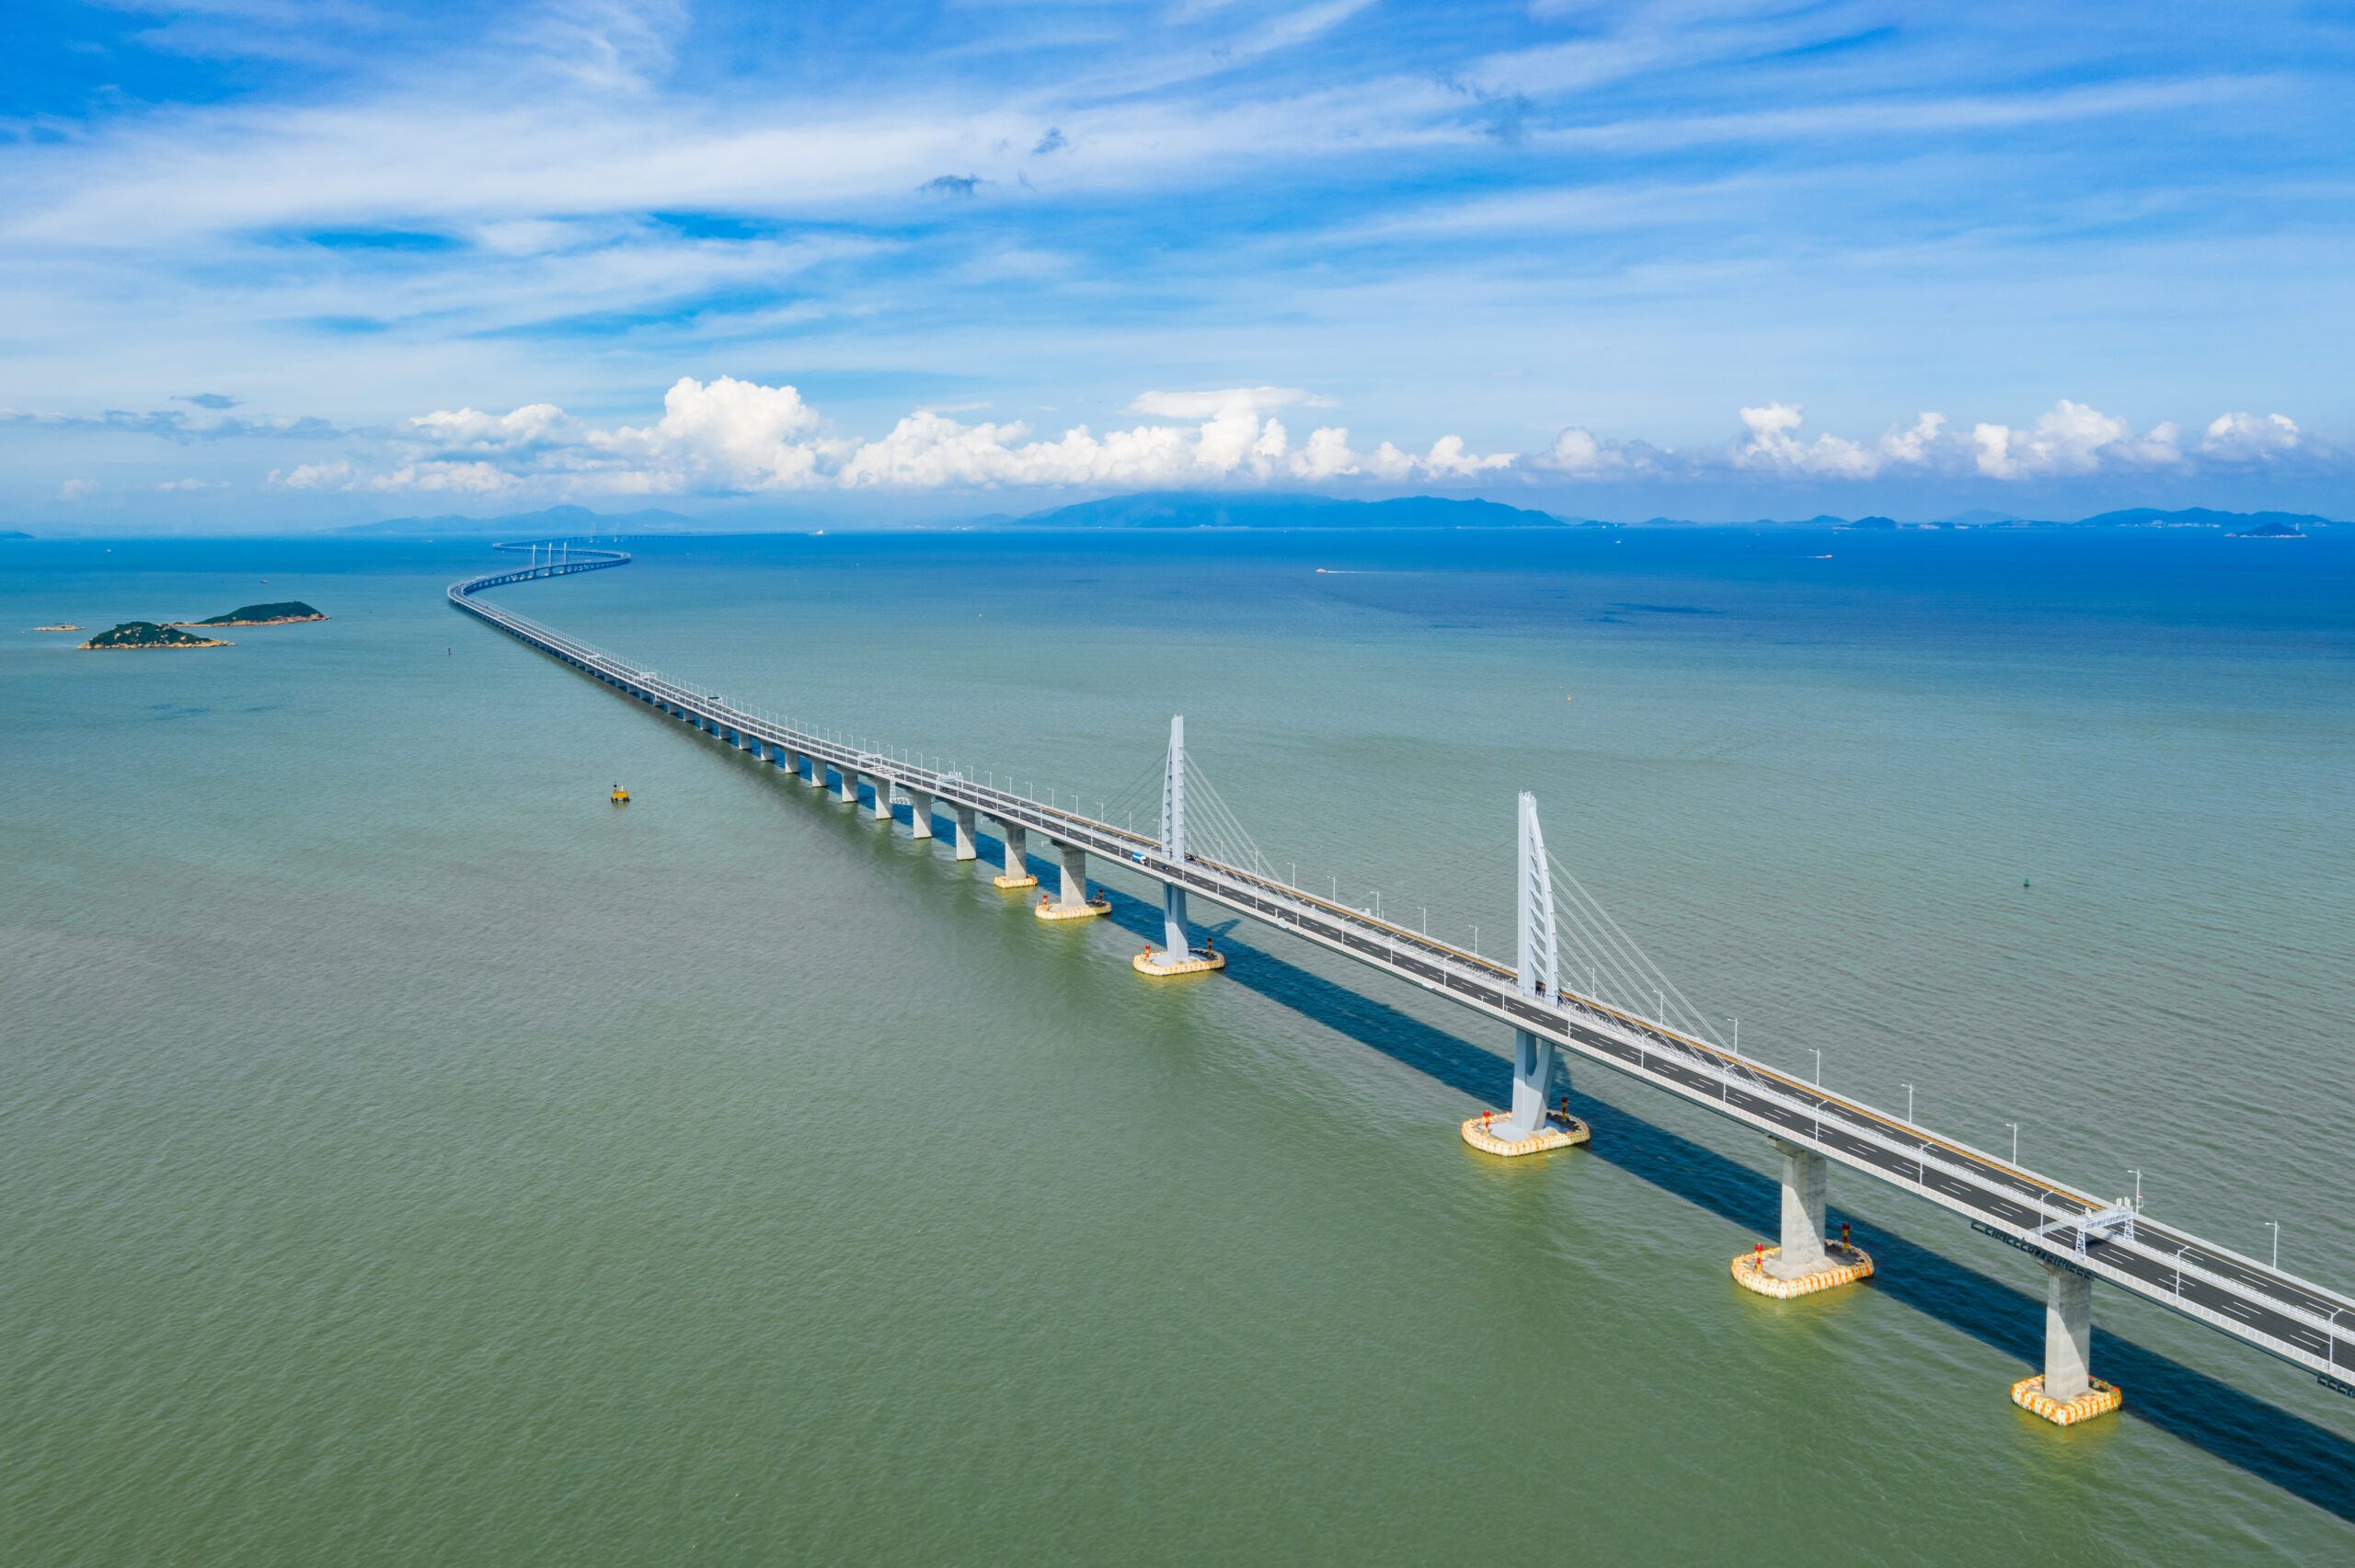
2275 1225
2138 1184
1908 1105
1819 1065
2016 1141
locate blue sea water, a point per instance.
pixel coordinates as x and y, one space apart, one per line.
410 1157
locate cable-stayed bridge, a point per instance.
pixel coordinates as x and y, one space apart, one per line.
1199 850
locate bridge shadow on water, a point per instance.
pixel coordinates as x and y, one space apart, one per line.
2273 1444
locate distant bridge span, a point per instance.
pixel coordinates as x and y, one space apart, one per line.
2079 1238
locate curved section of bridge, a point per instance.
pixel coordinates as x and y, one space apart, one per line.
2077 1236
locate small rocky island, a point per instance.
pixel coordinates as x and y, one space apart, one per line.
284 613
2271 530
61 626
147 633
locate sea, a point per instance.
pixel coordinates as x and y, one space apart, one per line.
407 1156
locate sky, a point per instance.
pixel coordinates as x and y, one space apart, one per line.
276 265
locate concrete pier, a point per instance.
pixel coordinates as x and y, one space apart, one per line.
1017 857
1802 1262
919 815
882 806
968 838
1805 1176
1533 1070
846 785
2067 1392
1177 955
1071 900
2068 1332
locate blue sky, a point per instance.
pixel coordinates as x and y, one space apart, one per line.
288 263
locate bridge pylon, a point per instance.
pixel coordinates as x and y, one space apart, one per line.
1527 1128
1177 955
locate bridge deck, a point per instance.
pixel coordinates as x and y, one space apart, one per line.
2301 1322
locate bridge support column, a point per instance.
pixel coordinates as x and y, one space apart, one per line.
967 837
846 785
1804 1263
1529 1128
1017 859
2067 1392
1072 901
919 815
882 806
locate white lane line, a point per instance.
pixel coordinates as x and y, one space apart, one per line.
2238 1310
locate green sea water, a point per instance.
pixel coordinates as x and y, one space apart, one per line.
407 1157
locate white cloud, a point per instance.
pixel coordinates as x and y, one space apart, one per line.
2073 439
2243 437
74 489
727 436
534 424
1204 405
171 485
1773 447
734 437
1915 445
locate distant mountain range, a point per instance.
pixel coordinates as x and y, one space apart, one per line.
2201 517
1187 508
1195 509
555 522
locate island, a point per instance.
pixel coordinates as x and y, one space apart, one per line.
147 633
284 613
61 626
2269 530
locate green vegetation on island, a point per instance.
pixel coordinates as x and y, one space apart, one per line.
147 633
278 614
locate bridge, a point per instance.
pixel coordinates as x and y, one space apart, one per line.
1198 852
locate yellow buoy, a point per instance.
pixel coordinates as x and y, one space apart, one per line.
621 796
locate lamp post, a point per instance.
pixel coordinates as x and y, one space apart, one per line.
2016 1141
2138 1184
1819 1065
1908 1105
2275 1226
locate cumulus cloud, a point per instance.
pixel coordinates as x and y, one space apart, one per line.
2245 438
1774 446
2072 439
171 485
727 436
74 489
214 400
